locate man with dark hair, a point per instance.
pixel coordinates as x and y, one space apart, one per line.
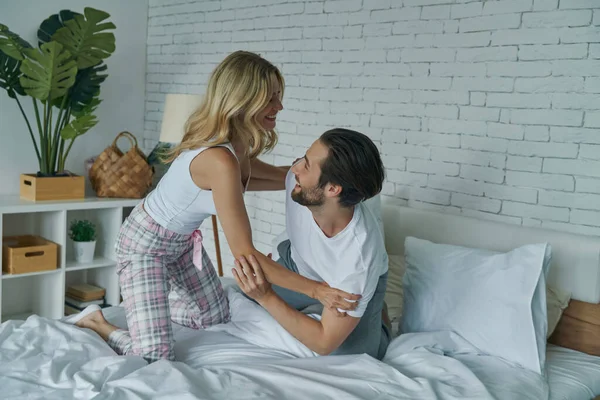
333 236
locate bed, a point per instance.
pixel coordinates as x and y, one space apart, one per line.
253 358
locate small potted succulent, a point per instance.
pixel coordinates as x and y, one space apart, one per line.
83 234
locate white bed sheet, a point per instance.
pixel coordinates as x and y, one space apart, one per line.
572 375
42 358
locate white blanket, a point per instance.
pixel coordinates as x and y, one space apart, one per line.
252 357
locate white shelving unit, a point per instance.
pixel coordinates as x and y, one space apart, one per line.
43 293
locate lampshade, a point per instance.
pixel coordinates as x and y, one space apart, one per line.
177 110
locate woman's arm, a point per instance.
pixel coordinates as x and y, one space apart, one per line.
219 170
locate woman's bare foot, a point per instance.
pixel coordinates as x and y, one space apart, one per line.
96 322
91 319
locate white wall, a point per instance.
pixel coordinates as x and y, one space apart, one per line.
486 108
122 92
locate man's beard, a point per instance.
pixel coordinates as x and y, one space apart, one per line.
313 197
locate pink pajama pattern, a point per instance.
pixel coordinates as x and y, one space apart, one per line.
159 284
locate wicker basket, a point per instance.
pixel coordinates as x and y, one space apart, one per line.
115 174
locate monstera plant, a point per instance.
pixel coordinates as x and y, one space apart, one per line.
62 76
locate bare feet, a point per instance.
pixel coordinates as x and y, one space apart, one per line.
91 319
96 322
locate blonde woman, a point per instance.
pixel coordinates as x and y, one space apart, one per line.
164 272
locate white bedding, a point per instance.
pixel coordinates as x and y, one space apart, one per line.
42 358
572 375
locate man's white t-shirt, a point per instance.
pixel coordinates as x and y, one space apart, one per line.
352 261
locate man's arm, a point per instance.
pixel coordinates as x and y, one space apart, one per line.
322 337
265 176
256 185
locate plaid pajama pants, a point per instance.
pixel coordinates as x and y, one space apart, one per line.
159 284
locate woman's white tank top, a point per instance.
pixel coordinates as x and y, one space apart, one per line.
177 203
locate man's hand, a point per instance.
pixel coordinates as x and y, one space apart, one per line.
249 277
322 336
251 280
334 298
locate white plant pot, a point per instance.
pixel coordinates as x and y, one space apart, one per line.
84 251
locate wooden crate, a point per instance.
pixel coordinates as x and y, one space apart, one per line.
37 188
28 253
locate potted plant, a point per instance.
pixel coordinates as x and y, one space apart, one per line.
83 235
62 76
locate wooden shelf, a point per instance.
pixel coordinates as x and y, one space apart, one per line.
43 292
19 316
96 263
29 274
14 204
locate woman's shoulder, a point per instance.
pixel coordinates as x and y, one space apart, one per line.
221 156
217 150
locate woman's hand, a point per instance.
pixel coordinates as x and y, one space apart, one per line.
250 278
336 299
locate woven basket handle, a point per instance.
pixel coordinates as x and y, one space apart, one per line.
129 136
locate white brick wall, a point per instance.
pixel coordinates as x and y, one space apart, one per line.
485 108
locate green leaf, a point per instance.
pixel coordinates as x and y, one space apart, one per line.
156 155
78 126
88 109
82 231
48 73
12 44
85 39
86 87
10 73
53 23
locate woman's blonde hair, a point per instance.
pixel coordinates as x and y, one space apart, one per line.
239 88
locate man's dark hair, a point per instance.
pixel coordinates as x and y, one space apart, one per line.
353 163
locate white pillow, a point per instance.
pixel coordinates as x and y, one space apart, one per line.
556 302
394 293
496 301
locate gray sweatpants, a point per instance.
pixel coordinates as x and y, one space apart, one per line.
370 336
